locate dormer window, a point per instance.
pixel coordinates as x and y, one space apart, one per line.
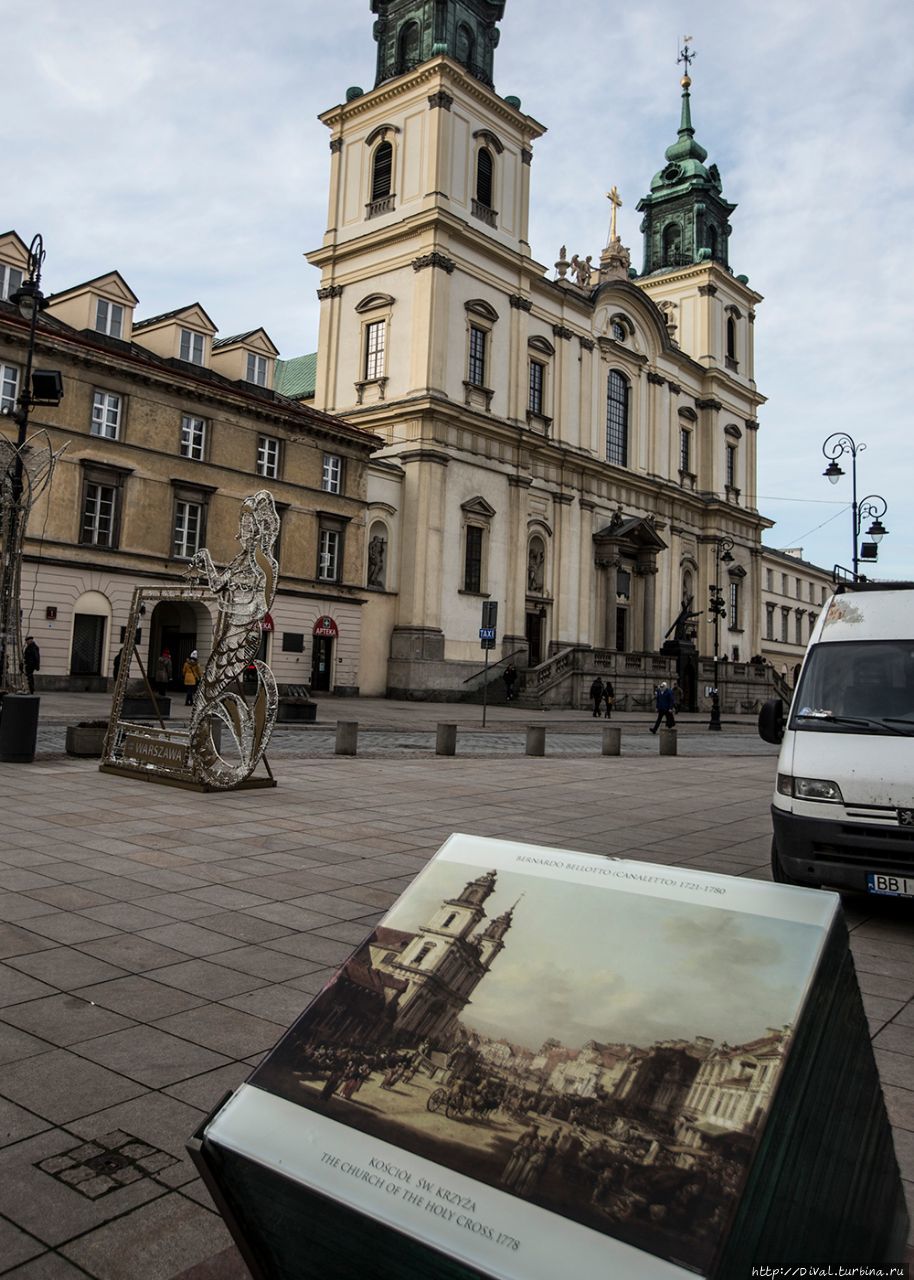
109 318
257 369
192 346
10 280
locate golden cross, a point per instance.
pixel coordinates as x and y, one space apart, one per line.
613 197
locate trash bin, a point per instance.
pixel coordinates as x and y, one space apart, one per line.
18 727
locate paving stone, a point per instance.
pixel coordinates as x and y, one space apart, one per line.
207 1091
50 1266
203 978
17 941
150 1055
265 963
281 1004
132 952
16 1124
16 1044
237 924
15 987
16 1246
229 1031
64 968
63 1019
156 1242
47 1208
61 1086
142 999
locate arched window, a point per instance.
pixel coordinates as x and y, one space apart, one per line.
382 167
423 952
712 240
731 338
617 394
450 920
672 245
484 172
408 47
466 46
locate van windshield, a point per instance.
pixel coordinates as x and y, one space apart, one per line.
864 686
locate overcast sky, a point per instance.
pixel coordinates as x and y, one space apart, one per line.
177 142
575 965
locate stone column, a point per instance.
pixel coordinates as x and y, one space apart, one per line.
649 576
512 627
609 619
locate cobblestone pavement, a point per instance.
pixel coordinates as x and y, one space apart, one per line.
154 943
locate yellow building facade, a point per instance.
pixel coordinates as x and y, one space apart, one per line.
167 428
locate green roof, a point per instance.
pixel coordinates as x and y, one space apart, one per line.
296 378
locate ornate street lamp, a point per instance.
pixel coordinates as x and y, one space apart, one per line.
873 505
717 608
24 473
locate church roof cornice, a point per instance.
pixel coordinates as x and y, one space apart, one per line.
437 73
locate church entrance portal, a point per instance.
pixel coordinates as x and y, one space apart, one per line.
534 635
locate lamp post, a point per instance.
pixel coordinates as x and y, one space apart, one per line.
19 485
838 444
717 608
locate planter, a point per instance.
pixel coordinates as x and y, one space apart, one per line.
144 708
296 711
86 739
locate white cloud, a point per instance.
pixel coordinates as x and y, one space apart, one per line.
178 142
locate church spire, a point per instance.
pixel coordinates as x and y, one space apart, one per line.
686 218
410 32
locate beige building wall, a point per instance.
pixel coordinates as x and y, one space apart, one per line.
79 576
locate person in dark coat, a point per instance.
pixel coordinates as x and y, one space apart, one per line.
510 679
31 661
666 703
609 697
596 694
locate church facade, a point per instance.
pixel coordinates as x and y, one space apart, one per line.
575 443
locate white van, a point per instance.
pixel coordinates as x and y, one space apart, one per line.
843 809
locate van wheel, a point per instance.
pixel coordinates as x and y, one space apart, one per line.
779 873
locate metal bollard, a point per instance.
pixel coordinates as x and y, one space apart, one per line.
668 742
446 740
347 737
612 741
536 740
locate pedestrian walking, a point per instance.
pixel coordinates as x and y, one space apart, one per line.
665 704
117 662
609 697
163 672
192 676
596 694
510 679
31 661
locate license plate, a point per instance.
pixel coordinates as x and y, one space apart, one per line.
895 886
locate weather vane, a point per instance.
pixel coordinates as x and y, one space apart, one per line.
686 55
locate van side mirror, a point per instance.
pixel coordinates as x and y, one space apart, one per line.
771 721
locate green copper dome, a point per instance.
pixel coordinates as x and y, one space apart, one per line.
686 216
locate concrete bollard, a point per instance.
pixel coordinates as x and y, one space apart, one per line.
612 741
668 742
446 740
536 740
347 737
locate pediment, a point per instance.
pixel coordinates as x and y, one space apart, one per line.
638 533
375 301
479 307
543 345
111 286
478 507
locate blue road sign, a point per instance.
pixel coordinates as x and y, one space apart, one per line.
487 633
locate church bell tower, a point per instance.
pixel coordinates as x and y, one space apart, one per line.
410 32
686 218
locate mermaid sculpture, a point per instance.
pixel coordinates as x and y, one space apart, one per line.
244 592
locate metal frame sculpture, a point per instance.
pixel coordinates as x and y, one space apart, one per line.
25 473
227 736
